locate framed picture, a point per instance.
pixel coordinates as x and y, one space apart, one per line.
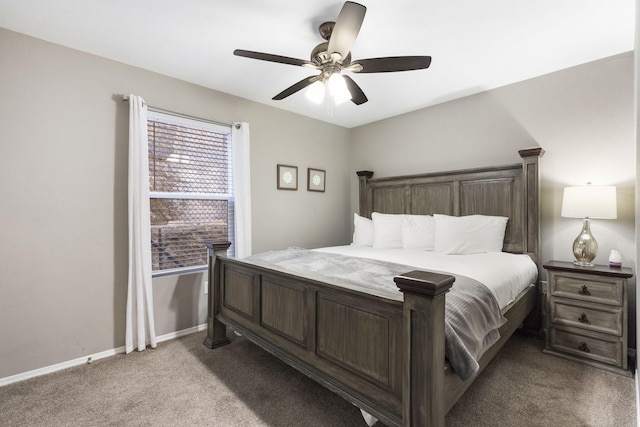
287 177
315 179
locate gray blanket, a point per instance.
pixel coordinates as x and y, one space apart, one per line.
472 314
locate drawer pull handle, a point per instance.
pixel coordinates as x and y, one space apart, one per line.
583 347
584 290
584 319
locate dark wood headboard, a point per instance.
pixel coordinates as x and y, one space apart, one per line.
512 191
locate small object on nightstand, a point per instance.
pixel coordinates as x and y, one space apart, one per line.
587 314
615 259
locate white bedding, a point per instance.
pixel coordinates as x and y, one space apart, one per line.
505 274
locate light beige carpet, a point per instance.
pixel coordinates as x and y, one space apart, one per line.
183 383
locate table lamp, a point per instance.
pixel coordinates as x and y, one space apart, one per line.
588 202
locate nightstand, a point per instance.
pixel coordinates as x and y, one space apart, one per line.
586 317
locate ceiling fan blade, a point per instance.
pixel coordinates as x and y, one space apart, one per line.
346 29
357 95
274 58
296 87
393 63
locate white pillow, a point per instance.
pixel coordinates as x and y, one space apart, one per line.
418 232
362 231
387 230
470 234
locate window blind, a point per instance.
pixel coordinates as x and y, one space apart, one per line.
190 189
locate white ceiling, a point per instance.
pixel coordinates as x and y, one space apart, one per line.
475 45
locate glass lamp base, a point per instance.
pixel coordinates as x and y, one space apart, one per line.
585 247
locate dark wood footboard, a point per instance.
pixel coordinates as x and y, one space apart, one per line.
382 355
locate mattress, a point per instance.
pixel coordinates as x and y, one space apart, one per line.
505 274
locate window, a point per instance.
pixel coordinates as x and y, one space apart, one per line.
191 194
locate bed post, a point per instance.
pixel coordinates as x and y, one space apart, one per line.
216 330
531 232
365 197
423 397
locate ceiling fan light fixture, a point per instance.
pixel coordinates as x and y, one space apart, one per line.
338 87
316 92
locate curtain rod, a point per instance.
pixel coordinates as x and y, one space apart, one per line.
175 113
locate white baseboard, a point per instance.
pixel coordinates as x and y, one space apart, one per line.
89 358
178 334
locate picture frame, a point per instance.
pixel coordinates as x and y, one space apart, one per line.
316 180
287 177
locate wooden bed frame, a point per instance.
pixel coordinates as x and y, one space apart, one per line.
384 356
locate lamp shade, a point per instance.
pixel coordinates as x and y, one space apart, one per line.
590 201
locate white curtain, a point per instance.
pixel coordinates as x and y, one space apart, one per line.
242 187
140 326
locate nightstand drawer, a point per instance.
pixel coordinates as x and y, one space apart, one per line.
601 319
586 347
602 290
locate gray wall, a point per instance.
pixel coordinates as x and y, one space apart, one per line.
63 192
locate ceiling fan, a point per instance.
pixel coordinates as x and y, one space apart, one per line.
334 56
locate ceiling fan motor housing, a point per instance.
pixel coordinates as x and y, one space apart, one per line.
321 56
